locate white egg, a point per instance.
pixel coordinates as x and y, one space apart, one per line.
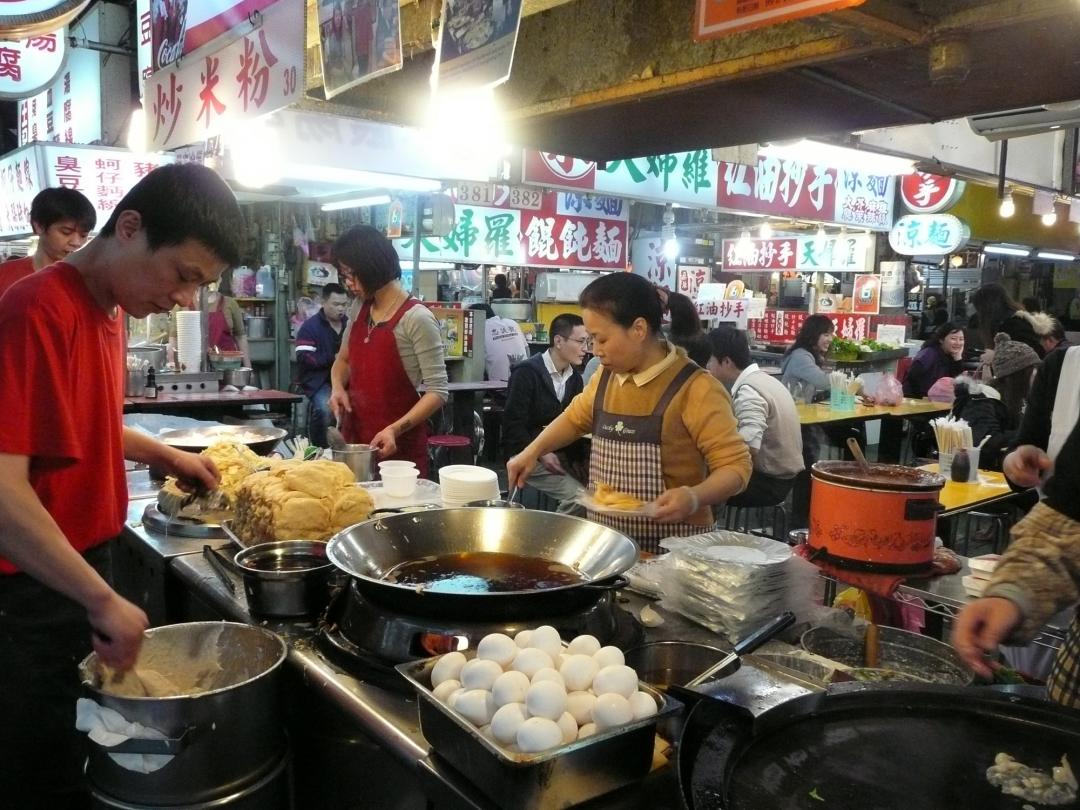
608 657
546 699
580 705
586 730
569 727
523 638
497 647
578 672
447 668
444 689
506 721
531 660
549 674
642 705
560 661
584 645
451 699
486 732
610 711
547 638
476 706
480 673
618 679
538 734
510 687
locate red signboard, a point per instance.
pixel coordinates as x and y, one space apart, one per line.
555 240
778 187
781 326
925 193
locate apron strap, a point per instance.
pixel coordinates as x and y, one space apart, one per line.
598 400
687 371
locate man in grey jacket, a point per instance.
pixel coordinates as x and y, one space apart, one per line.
768 421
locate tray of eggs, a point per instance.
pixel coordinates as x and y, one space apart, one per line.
536 722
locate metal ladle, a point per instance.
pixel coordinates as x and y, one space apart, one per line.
853 446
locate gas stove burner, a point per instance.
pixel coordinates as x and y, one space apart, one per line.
368 639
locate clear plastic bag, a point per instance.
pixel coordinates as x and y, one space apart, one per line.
889 391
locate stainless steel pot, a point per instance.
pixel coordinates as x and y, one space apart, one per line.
286 578
360 458
238 377
223 739
257 327
152 353
666 663
369 551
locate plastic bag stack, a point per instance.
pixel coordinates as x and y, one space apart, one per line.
731 582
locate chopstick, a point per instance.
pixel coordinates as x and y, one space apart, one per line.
952 434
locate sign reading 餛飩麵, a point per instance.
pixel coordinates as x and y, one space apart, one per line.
771 186
544 229
103 174
258 73
715 18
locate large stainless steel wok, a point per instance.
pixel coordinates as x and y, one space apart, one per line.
369 551
261 440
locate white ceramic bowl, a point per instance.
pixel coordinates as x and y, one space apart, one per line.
400 482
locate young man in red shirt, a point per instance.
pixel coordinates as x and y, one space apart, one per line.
62 219
63 493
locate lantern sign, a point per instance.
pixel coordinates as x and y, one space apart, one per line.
925 193
928 235
29 65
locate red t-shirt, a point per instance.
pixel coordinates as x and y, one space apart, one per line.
61 400
13 270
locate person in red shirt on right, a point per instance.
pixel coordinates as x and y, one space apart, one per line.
62 219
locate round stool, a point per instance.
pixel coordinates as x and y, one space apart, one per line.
446 447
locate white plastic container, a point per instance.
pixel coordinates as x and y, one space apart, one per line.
396 464
264 282
400 482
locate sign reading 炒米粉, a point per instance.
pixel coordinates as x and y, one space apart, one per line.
928 235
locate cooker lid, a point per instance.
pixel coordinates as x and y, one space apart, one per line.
878 476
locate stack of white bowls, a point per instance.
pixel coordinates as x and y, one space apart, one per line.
189 348
462 483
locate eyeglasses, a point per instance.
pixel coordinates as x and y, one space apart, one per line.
584 342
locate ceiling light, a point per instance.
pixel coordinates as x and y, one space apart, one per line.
1007 207
356 202
1007 250
254 150
1049 220
765 231
1055 256
358 178
671 248
1043 203
841 157
136 133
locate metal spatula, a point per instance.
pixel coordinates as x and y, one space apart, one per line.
172 504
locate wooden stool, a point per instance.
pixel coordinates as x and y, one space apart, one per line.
446 447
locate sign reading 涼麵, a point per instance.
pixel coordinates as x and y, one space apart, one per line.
716 18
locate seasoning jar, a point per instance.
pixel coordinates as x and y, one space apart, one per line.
150 390
961 466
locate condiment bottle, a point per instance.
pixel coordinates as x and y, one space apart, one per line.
150 391
961 466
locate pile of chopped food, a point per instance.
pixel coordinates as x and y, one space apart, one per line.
1030 784
234 461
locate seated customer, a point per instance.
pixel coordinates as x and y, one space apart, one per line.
939 357
504 344
317 344
768 421
540 389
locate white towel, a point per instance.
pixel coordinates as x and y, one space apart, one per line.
1066 402
107 727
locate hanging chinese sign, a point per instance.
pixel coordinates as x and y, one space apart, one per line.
772 186
928 235
102 174
26 19
360 40
69 110
735 311
476 43
563 232
27 66
836 254
689 279
256 74
181 27
925 193
717 18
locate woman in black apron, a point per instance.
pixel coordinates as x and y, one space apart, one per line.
662 428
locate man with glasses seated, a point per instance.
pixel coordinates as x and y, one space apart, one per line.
540 389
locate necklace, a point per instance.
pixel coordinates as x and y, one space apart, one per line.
373 324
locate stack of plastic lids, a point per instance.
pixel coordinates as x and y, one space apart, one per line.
463 483
731 582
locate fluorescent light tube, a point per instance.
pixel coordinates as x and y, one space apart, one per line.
841 157
1054 256
356 202
1007 250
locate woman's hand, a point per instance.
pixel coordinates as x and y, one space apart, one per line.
339 404
194 472
980 627
385 442
1025 465
519 468
675 505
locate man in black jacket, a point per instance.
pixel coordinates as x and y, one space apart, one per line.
540 389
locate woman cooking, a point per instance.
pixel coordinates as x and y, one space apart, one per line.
224 325
392 347
662 428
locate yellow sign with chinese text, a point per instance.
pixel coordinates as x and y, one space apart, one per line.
716 18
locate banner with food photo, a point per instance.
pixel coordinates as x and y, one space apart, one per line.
866 299
360 39
476 43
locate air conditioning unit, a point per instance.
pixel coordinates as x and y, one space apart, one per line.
1007 124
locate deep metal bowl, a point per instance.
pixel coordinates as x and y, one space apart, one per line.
673 663
286 578
261 440
900 650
